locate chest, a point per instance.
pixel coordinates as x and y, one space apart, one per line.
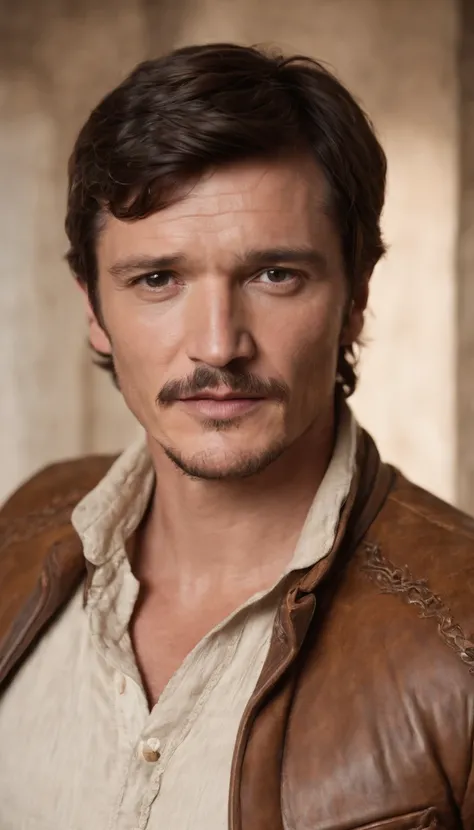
161 642
164 635
72 741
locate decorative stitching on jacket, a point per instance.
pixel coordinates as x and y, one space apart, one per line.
393 580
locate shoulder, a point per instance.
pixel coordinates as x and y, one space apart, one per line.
55 487
41 558
386 681
428 536
421 550
418 506
37 516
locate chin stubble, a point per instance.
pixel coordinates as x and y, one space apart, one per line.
245 467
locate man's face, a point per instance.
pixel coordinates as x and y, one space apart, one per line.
224 314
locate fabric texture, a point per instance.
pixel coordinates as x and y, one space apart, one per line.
75 720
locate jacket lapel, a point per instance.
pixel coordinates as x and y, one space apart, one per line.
264 727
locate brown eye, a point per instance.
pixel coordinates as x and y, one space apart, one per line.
276 276
160 279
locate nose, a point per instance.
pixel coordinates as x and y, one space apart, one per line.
217 331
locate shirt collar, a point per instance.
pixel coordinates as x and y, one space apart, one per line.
111 512
322 520
108 515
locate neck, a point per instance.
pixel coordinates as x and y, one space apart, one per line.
221 533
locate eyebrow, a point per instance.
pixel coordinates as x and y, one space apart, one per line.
255 258
252 259
124 268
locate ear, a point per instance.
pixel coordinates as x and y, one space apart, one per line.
354 320
97 336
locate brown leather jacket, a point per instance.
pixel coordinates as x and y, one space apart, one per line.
363 716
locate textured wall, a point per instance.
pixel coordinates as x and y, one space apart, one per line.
399 57
465 281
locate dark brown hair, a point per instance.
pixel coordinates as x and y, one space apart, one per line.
177 116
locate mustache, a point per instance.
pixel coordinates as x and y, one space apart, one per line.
204 378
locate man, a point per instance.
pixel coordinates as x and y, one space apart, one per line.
248 621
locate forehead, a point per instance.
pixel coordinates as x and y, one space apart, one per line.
245 205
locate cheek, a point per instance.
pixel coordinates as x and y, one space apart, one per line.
140 335
143 349
311 345
314 366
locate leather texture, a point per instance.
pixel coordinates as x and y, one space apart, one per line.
41 561
363 716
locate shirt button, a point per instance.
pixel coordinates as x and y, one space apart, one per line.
149 750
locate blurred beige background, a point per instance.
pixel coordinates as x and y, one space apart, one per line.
411 64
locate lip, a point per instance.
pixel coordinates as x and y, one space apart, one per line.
220 407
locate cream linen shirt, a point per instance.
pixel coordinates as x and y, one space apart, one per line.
80 749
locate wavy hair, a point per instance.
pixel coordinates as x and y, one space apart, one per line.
196 108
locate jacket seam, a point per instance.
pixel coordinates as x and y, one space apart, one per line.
430 520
